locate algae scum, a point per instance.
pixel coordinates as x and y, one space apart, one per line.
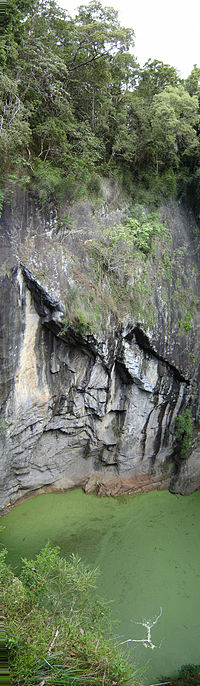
147 547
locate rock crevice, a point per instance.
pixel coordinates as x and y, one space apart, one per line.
74 419
95 410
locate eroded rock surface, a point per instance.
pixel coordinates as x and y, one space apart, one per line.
92 410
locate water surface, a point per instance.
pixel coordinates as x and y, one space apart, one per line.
147 547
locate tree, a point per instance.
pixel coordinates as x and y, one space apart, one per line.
192 83
98 59
74 103
155 76
12 15
97 34
174 117
137 138
70 83
15 132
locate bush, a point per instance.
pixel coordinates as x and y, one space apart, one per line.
56 625
184 430
48 182
139 230
189 675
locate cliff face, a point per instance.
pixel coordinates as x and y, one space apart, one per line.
93 408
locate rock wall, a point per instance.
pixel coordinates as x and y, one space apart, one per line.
93 410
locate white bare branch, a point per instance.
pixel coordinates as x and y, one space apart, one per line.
15 112
147 624
53 642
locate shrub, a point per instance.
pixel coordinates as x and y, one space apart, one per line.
139 230
184 430
189 675
56 625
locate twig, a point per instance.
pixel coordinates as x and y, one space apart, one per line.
47 152
104 676
16 111
53 642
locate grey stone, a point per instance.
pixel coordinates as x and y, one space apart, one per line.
94 410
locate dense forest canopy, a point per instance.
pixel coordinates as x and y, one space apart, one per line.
75 105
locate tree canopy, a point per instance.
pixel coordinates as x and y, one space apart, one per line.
75 104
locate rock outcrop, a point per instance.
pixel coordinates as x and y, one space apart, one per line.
85 409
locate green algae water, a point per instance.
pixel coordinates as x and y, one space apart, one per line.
147 547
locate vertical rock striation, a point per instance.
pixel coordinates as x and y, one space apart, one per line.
95 410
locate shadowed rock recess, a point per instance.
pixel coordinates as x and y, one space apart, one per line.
93 408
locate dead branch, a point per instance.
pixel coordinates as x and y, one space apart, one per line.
53 642
147 624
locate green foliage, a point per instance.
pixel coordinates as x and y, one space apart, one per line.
155 76
84 307
12 30
85 319
192 83
78 106
139 230
123 263
163 185
184 430
3 426
189 675
174 117
186 322
14 127
74 104
168 266
56 625
1 200
191 191
48 182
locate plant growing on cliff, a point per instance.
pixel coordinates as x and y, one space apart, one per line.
3 426
55 625
184 430
139 230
